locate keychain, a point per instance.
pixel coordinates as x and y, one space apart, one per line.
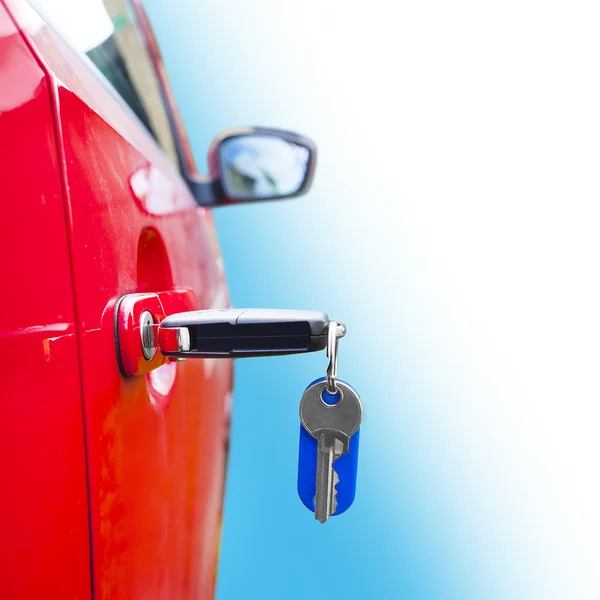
330 417
330 409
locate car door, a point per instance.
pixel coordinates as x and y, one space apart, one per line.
155 443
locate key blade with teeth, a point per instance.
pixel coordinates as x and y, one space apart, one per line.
329 450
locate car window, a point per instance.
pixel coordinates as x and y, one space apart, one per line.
107 33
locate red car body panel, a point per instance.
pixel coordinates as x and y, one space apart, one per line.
101 212
44 505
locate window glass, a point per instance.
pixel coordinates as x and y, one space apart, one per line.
106 31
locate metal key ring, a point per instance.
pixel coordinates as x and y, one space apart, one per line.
335 332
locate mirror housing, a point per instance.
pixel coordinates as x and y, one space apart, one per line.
252 164
209 190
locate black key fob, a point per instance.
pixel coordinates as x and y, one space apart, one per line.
240 333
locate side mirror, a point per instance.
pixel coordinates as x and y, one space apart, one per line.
255 163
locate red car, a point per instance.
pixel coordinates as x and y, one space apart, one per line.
113 459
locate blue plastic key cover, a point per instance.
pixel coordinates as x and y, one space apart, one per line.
345 466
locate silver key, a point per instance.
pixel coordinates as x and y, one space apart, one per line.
332 426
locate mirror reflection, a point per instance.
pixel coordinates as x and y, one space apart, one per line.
258 167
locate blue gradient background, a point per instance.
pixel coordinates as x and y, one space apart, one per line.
453 227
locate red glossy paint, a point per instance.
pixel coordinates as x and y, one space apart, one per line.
155 443
44 544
